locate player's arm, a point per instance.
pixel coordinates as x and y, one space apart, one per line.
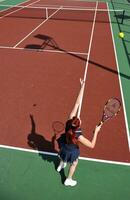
88 143
74 111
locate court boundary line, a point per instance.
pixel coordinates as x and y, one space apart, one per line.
120 84
56 154
16 4
20 8
44 50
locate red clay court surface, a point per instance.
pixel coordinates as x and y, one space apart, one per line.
46 83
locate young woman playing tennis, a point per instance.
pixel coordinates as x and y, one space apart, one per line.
69 151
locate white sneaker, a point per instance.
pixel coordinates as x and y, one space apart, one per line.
70 182
61 166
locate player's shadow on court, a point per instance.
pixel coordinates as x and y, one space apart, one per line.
48 43
38 142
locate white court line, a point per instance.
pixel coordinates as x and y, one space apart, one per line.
17 9
44 50
77 7
37 27
56 154
105 161
89 50
124 108
63 8
14 5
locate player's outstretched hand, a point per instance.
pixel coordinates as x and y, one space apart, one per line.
97 129
81 82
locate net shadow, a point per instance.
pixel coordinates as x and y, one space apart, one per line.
75 15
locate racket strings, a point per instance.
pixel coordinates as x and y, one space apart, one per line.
111 108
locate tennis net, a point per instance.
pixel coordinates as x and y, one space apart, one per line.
62 13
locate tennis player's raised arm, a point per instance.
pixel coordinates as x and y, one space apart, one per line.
91 144
74 111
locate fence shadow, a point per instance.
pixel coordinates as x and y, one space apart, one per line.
126 17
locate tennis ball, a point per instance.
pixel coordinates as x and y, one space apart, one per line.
121 35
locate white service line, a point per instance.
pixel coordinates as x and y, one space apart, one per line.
37 27
89 50
44 50
123 101
17 9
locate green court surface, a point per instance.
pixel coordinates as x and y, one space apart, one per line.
31 176
123 50
11 2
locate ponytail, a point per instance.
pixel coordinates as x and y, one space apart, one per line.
71 126
70 137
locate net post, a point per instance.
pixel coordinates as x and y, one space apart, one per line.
46 13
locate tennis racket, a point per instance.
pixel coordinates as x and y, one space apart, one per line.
57 127
111 109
